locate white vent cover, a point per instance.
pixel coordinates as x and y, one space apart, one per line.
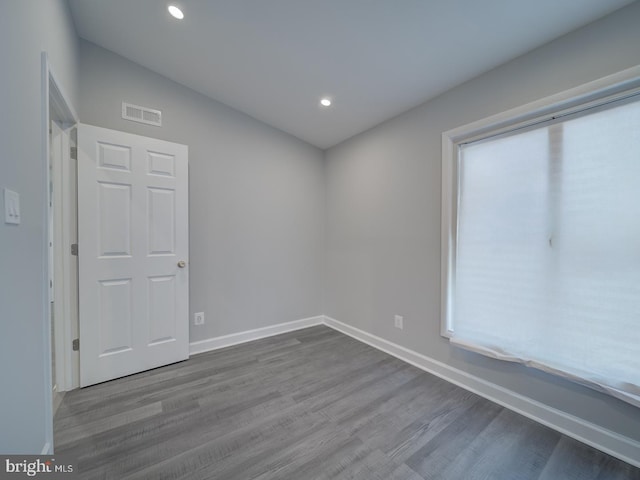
139 114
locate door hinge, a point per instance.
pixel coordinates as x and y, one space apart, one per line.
73 153
75 345
74 249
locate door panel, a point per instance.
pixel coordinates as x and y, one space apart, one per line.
115 316
162 294
133 232
162 225
114 212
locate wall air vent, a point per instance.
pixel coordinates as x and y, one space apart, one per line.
139 114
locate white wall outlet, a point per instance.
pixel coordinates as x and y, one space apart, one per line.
398 322
198 318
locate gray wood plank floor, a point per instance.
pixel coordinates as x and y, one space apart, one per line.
306 405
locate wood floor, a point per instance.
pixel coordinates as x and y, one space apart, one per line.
307 405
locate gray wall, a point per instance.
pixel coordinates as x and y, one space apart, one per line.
383 211
27 27
256 197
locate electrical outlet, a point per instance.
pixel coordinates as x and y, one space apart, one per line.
398 321
198 318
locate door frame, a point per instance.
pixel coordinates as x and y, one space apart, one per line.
65 279
55 105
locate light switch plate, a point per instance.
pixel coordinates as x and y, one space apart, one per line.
11 207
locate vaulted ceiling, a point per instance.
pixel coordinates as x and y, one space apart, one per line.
275 59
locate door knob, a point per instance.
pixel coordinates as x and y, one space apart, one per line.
182 264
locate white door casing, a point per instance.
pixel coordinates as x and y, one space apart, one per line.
132 235
56 134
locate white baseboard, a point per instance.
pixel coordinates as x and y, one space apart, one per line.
605 440
215 343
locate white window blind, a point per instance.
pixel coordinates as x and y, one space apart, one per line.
547 248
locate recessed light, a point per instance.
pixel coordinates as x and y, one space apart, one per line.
325 102
176 12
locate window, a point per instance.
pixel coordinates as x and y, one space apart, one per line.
541 235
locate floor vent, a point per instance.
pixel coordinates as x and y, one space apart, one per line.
139 114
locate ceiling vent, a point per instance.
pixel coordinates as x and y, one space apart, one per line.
139 114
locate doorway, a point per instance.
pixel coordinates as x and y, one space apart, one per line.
58 127
167 242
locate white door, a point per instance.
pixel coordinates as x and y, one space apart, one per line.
133 253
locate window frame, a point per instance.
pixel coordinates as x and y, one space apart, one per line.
590 95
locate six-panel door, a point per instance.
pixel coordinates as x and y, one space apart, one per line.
133 234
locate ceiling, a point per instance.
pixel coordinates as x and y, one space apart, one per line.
275 59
